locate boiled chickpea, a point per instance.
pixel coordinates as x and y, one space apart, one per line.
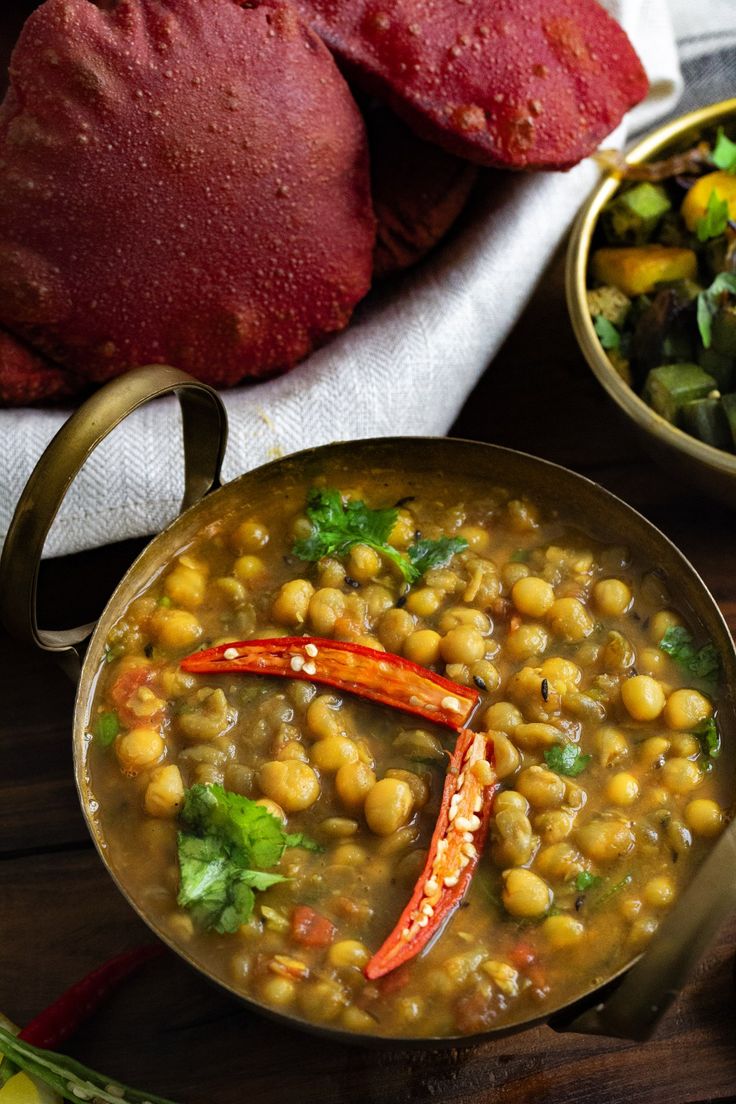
562 673
502 717
523 515
510 799
292 749
292 785
394 627
325 718
513 843
511 572
462 645
277 990
622 789
611 745
348 854
652 661
569 619
388 806
378 599
291 605
456 616
355 1019
478 539
541 787
559 862
704 817
348 952
685 709
402 534
423 646
211 717
333 752
175 629
249 570
612 597
506 758
250 536
164 793
525 894
139 749
532 596
186 586
659 892
642 931
652 751
353 782
680 776
661 622
528 640
424 601
605 840
325 606
418 785
364 563
536 735
562 931
643 697
554 825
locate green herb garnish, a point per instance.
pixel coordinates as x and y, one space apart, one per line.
709 737
724 153
338 527
107 726
222 858
715 220
710 300
69 1078
585 880
164 601
566 759
702 663
606 896
608 335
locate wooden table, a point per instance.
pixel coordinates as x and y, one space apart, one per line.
172 1033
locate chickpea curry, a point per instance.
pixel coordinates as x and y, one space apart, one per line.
406 755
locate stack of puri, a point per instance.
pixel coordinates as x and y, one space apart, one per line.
192 182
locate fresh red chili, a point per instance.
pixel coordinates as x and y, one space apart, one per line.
69 1011
310 928
457 842
380 676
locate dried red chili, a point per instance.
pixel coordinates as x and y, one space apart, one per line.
379 676
457 842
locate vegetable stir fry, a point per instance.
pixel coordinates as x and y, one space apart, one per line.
663 287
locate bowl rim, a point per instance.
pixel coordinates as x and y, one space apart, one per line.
647 419
150 561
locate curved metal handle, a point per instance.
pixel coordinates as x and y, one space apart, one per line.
653 983
204 431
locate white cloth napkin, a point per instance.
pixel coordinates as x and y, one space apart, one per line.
405 365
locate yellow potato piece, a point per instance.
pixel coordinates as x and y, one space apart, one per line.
695 202
635 270
22 1089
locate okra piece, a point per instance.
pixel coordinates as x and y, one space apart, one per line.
670 386
706 420
632 216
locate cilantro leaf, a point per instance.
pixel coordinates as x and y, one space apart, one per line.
566 759
715 220
702 663
608 335
709 737
724 153
298 839
221 858
709 302
107 728
337 527
425 554
585 880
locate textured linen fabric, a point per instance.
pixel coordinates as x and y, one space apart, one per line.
413 353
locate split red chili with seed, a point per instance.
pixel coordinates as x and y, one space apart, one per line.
457 842
379 676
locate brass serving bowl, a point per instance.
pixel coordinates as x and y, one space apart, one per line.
709 468
647 989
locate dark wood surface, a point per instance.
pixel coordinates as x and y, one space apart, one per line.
174 1034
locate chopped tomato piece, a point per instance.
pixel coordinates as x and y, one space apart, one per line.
310 928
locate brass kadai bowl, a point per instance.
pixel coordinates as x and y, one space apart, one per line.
710 469
626 1004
